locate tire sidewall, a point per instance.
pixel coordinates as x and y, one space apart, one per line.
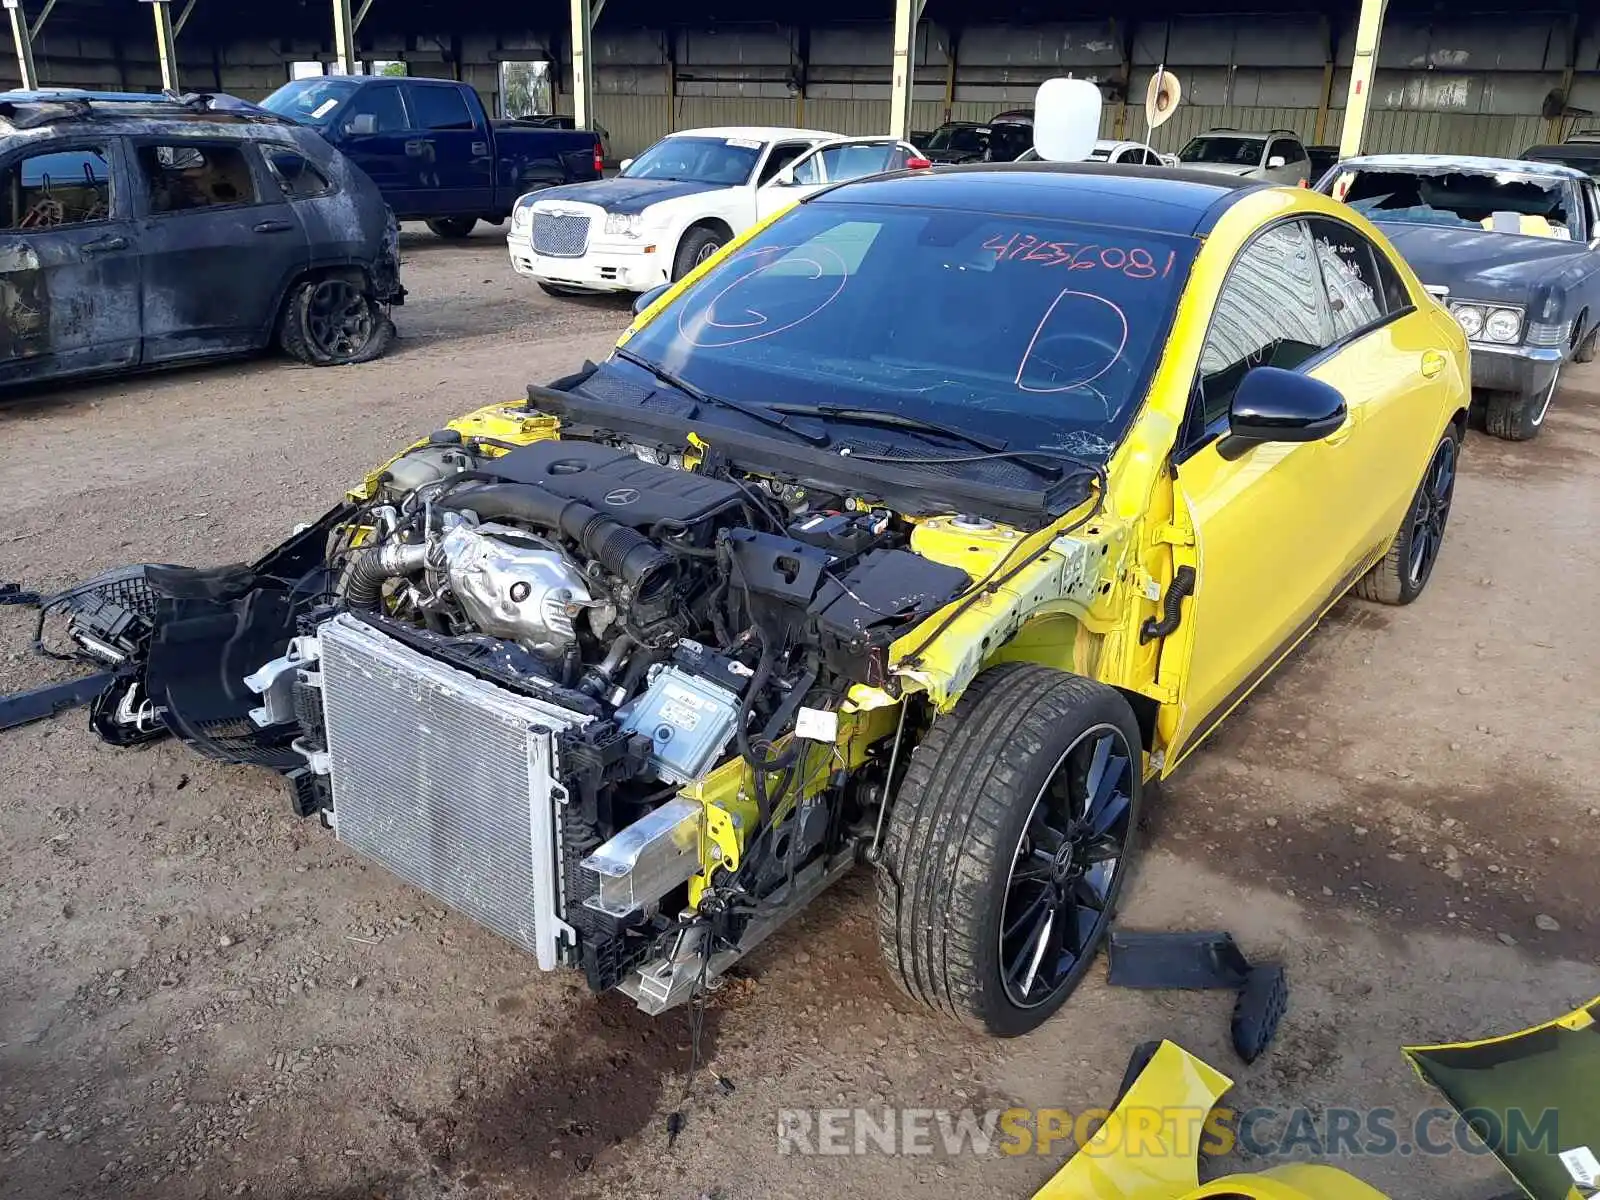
1000 1014
689 250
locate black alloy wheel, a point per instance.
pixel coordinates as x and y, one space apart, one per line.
1431 513
339 320
1007 846
1066 868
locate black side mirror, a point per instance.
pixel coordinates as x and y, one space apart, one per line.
1274 405
645 299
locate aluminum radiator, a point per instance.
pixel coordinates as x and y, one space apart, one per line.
446 780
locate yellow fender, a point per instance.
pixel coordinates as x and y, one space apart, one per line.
1149 1146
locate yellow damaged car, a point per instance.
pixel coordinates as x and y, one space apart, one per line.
921 527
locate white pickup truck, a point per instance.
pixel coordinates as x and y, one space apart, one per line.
679 202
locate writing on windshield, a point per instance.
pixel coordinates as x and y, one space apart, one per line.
1136 262
940 314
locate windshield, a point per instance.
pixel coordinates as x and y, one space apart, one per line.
310 101
1234 151
1501 203
723 161
964 139
1040 332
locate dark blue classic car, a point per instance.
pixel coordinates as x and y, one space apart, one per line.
1513 248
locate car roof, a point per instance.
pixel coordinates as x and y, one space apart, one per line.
1563 150
41 112
764 133
1463 162
1160 199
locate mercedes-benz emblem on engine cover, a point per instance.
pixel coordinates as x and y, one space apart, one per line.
621 497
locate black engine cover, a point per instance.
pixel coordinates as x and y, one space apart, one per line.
617 483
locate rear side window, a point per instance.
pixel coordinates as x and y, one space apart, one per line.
56 188
1269 314
1349 265
1359 256
853 162
298 178
182 176
439 108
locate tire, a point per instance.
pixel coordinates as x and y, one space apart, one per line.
1589 347
303 327
453 229
976 804
1518 416
1401 575
697 246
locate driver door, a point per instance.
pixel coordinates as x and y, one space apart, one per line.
1272 531
372 134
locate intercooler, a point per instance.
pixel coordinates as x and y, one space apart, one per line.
446 780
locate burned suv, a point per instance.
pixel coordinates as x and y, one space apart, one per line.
143 231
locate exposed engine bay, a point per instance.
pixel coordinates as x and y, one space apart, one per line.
550 682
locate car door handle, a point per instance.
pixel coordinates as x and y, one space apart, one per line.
275 227
1433 361
480 148
105 245
417 147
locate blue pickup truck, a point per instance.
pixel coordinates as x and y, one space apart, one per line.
431 148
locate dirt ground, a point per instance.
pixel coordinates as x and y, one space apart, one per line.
201 996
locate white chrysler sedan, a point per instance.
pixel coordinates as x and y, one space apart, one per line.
671 208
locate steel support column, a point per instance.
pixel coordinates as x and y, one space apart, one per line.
166 45
903 80
1369 29
1325 97
344 38
22 38
952 53
584 13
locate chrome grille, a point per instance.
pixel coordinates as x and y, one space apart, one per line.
560 235
445 780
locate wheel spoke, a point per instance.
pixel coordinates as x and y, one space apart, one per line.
1098 772
1031 871
1030 913
1045 835
1108 810
1032 947
1102 850
1087 895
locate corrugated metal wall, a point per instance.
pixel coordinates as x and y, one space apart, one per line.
1474 85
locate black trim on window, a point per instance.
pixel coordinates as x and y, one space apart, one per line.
1194 440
